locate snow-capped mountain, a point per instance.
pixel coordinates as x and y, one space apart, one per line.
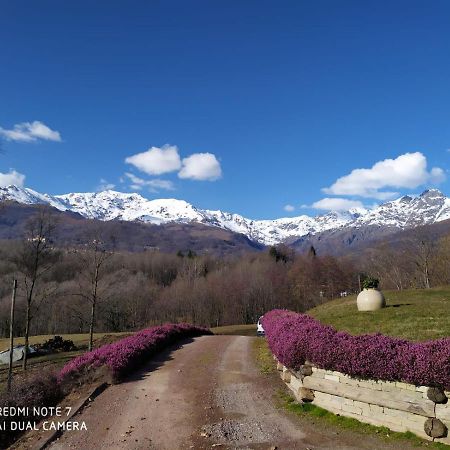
408 212
429 207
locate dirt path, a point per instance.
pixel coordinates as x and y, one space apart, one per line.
204 394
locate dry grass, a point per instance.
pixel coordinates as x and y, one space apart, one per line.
80 340
411 314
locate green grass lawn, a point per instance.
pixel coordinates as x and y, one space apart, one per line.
412 314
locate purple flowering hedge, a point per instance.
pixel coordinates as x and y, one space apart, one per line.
295 338
123 356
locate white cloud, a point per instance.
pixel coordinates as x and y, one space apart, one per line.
437 175
12 177
336 204
30 132
158 184
407 171
201 166
156 161
104 185
134 179
166 159
154 185
289 208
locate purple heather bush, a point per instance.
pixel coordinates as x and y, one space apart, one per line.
123 356
296 338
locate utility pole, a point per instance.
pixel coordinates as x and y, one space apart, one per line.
11 335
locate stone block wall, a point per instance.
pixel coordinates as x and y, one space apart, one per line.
398 406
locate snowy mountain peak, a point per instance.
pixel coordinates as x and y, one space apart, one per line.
28 196
407 211
404 199
433 192
113 205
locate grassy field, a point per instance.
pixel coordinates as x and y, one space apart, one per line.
412 314
80 340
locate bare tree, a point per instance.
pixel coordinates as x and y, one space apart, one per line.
36 256
393 266
442 270
423 250
94 257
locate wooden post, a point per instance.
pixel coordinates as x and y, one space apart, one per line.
11 335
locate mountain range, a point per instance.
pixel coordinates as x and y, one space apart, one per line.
403 213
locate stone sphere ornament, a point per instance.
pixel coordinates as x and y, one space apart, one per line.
370 300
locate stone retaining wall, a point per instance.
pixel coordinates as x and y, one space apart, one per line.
399 406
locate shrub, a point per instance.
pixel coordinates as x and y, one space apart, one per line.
121 357
56 344
370 283
296 338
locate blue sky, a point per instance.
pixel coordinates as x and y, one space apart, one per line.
244 106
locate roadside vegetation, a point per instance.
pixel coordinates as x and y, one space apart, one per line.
125 355
296 338
263 356
52 361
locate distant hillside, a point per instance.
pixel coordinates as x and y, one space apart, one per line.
355 240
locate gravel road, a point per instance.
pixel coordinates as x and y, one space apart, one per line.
205 393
